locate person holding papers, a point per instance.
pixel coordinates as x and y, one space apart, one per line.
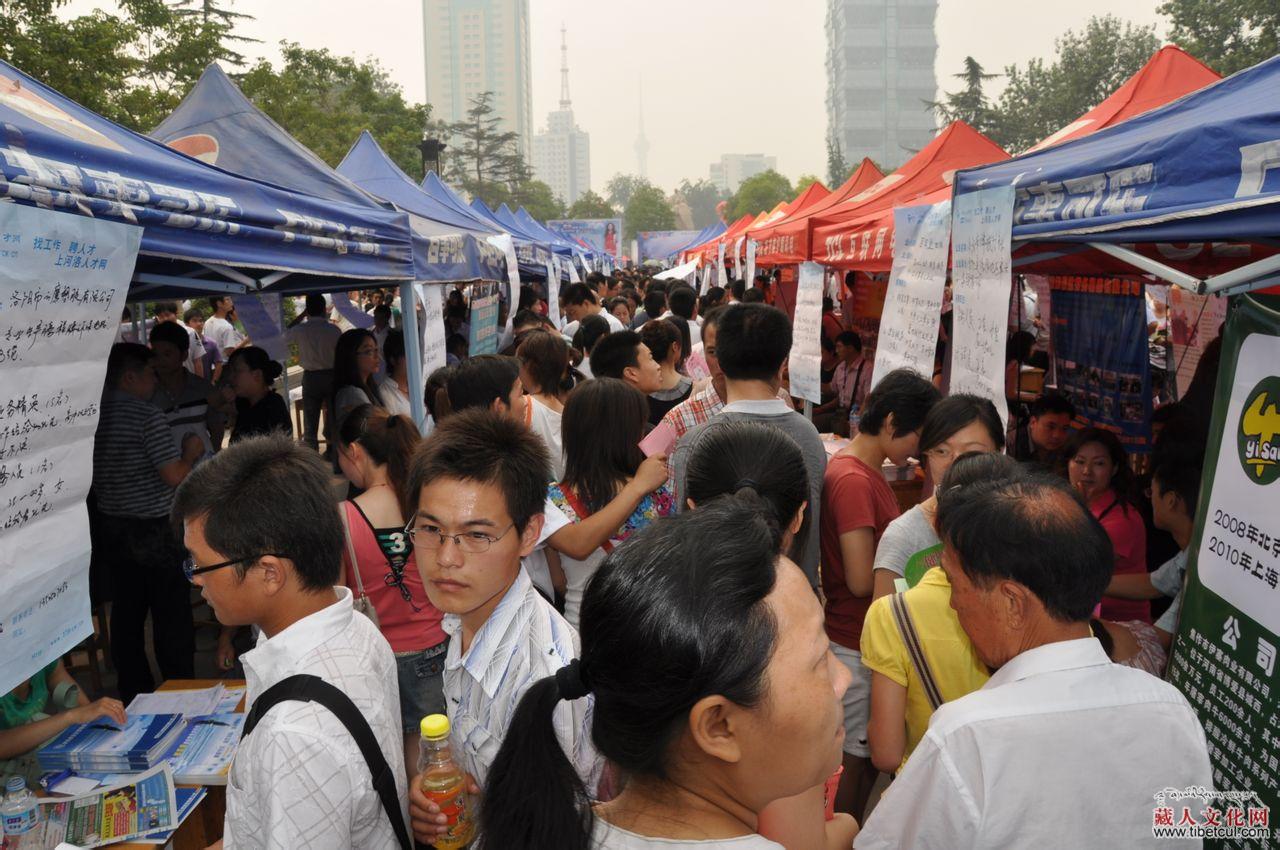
40 708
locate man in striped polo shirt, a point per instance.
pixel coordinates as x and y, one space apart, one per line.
136 467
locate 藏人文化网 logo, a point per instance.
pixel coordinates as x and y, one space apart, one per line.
1258 434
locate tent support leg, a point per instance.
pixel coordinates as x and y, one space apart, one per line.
413 353
1245 277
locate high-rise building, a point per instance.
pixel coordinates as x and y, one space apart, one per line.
562 153
880 76
733 168
477 46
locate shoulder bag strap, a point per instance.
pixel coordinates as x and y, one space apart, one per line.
305 688
907 628
351 549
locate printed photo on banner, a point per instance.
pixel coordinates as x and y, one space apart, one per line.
600 235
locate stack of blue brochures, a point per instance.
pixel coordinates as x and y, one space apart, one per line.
102 747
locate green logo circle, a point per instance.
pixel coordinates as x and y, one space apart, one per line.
1258 434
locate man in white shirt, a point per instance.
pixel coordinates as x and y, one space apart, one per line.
477 489
219 327
579 303
317 339
1061 747
264 541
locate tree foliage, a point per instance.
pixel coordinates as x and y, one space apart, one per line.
759 193
132 65
701 197
620 187
1227 35
970 104
838 170
646 209
213 12
538 200
804 181
590 205
484 160
324 101
1089 65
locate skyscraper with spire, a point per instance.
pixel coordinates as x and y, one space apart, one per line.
562 152
642 144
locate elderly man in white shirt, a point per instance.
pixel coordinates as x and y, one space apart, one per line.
264 540
1061 747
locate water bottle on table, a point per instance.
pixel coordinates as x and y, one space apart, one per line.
20 815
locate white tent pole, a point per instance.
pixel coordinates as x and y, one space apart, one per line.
1245 275
1146 264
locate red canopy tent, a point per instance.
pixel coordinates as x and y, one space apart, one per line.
708 250
928 172
787 240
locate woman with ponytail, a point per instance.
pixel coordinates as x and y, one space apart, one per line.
249 379
544 371
374 450
715 694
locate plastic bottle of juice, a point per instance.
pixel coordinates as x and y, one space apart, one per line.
445 784
20 814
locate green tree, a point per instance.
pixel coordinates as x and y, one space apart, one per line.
1088 66
758 193
484 159
213 13
1227 35
590 205
838 169
324 101
970 104
647 209
538 199
804 181
619 188
132 66
702 197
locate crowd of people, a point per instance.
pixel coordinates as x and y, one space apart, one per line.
658 606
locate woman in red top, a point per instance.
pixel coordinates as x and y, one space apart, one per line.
374 449
1099 472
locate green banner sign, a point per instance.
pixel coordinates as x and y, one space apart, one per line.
1225 654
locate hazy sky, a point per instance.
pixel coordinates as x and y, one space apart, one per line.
719 76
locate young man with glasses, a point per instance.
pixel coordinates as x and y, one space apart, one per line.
264 538
476 491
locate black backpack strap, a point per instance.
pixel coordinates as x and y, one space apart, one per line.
305 688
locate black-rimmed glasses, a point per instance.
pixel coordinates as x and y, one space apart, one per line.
190 570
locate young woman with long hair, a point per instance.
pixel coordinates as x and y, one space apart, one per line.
355 363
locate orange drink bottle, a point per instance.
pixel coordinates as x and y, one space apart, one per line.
445 784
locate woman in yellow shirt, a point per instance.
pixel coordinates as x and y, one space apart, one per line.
901 700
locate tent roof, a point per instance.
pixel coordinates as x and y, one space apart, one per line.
710 249
217 124
708 232
1169 74
1198 169
787 240
812 193
55 153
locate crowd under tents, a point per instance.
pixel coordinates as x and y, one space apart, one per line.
204 229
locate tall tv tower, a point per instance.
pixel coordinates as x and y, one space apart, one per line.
642 144
565 106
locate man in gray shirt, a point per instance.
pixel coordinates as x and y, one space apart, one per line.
753 344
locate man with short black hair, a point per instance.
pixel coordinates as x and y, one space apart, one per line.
1027 565
190 403
264 538
752 345
623 355
218 327
477 490
579 303
604 287
683 302
167 311
136 466
489 381
1043 439
655 304
317 340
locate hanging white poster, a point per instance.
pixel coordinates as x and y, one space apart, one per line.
806 335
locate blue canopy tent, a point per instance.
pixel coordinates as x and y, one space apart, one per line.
532 225
368 167
218 124
204 229
528 249
711 231
532 258
1203 168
